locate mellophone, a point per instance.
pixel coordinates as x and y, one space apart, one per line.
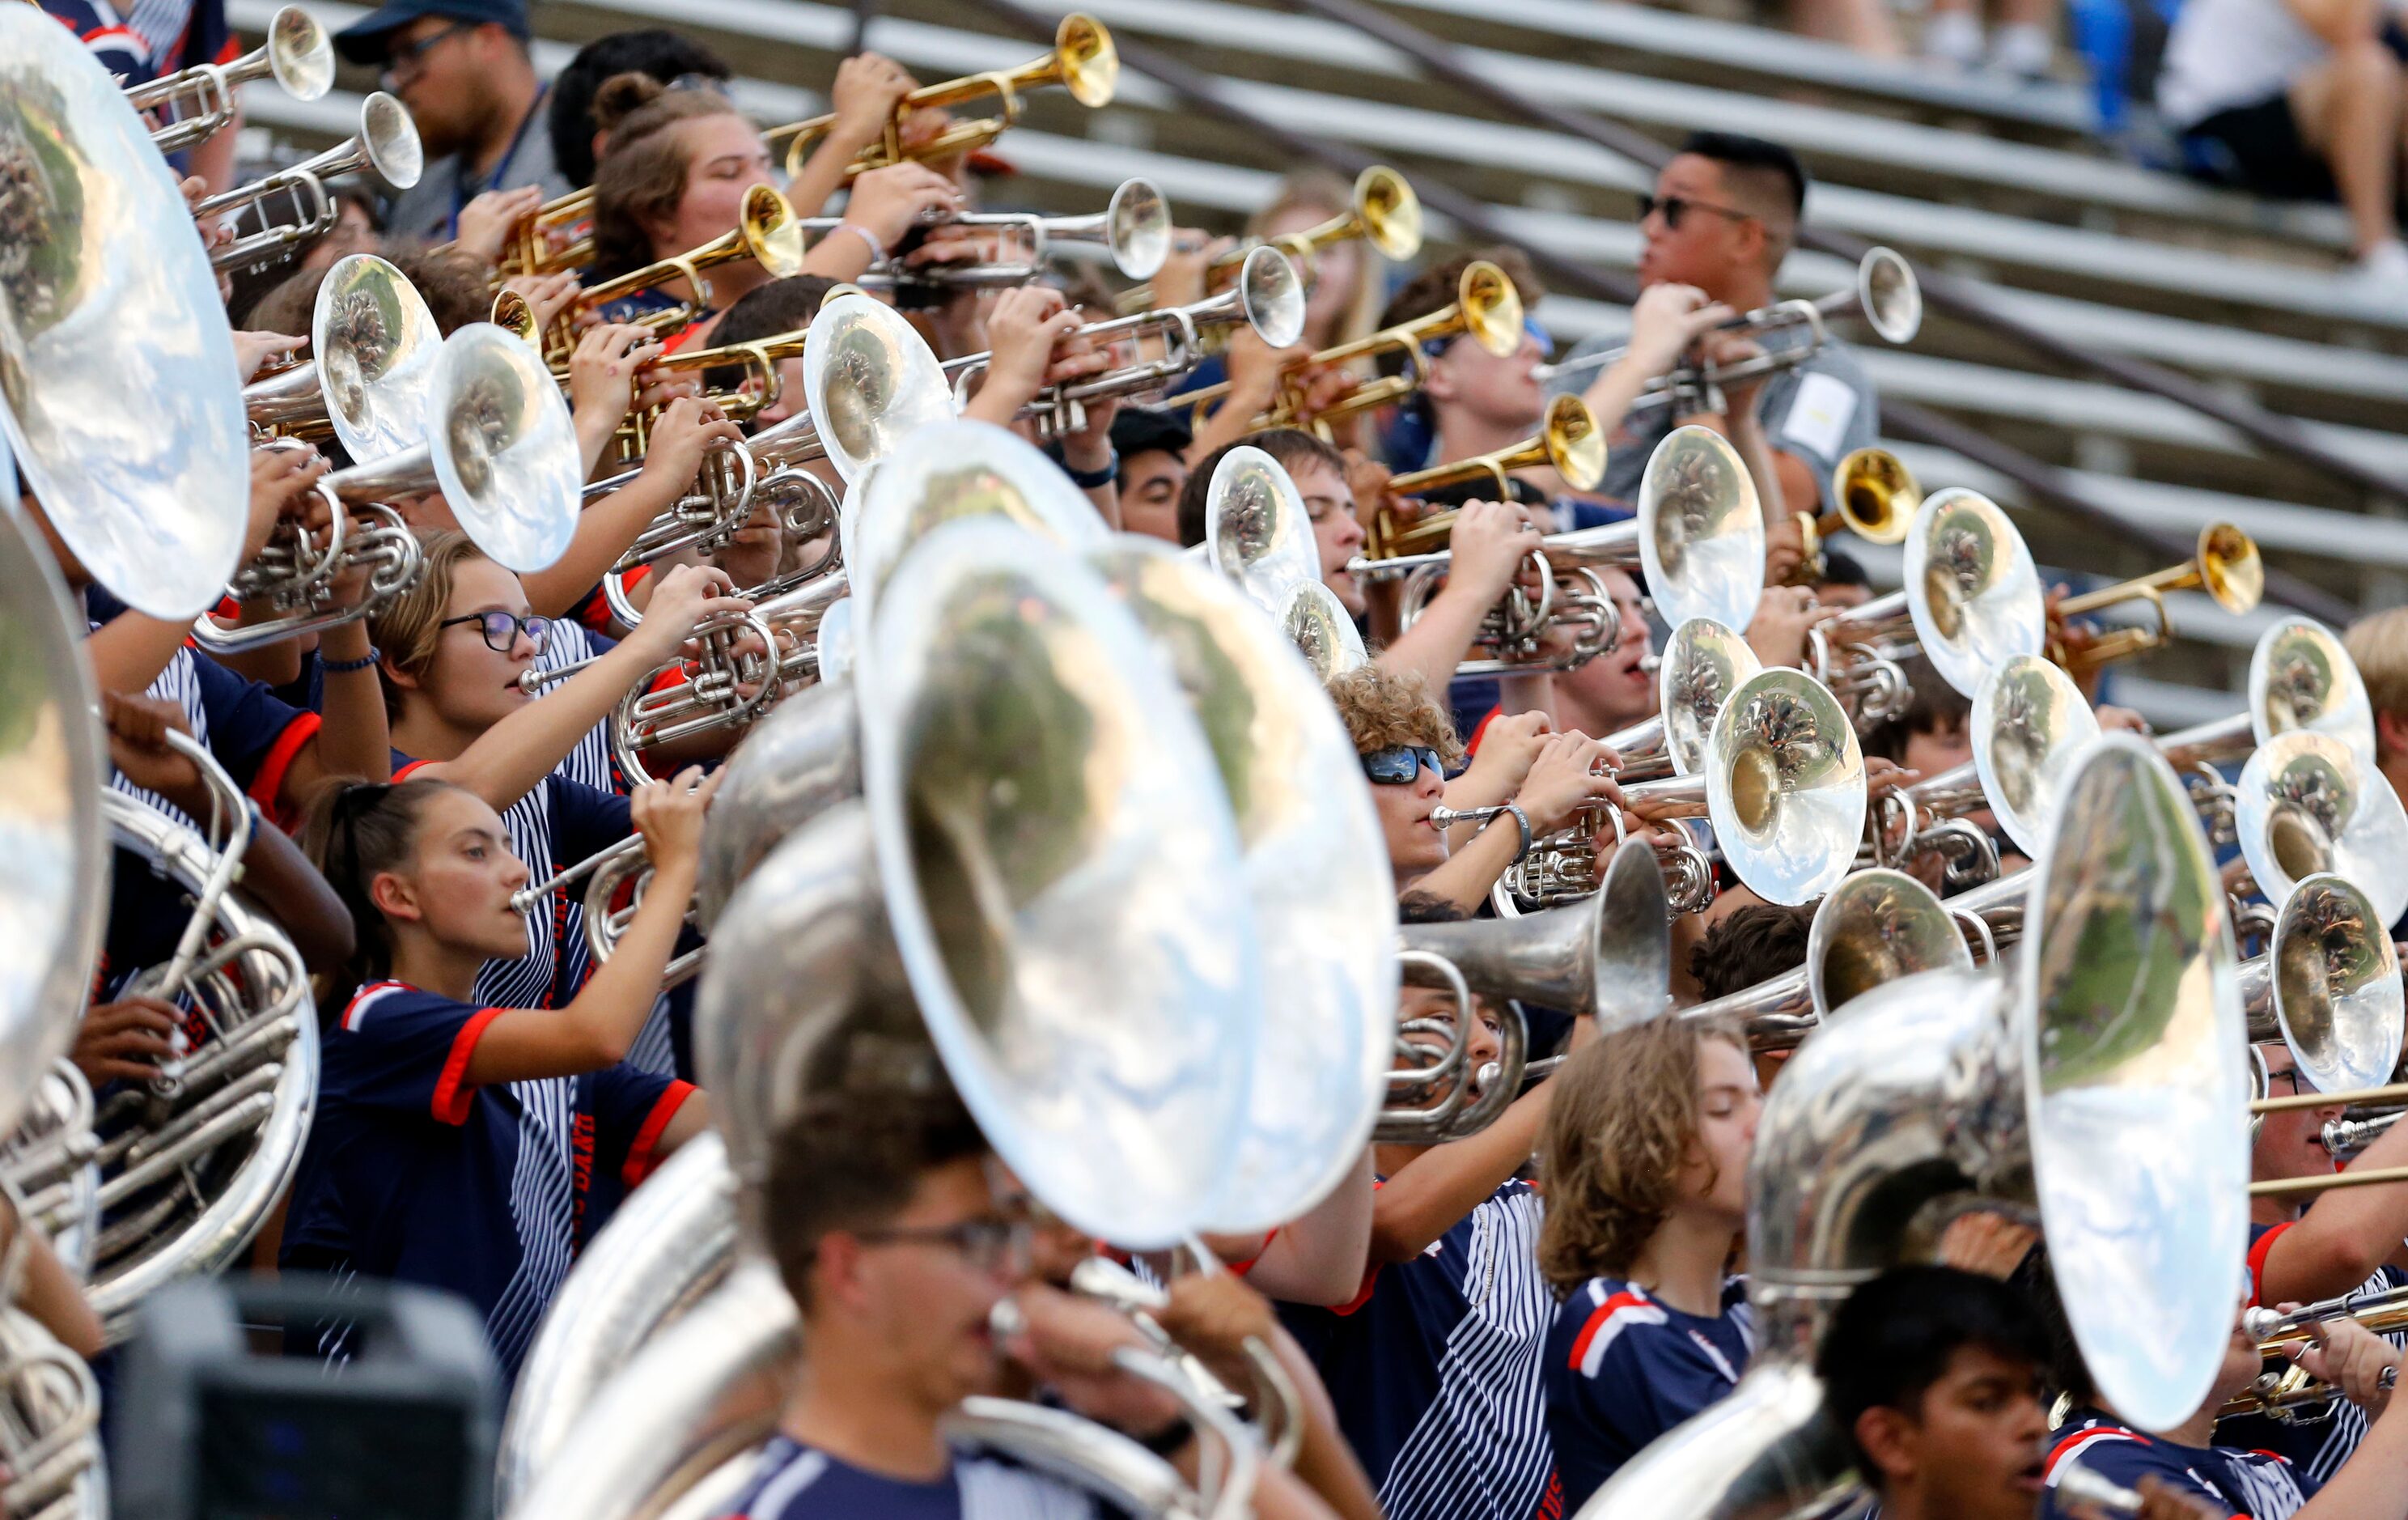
951 561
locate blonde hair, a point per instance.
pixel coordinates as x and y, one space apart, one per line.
1384 708
2378 646
1621 1119
1322 192
407 629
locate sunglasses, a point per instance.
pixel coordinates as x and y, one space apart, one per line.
502 629
1676 207
1399 764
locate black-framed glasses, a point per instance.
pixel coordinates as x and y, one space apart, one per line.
989 1245
403 56
2291 1076
502 629
1676 207
1399 764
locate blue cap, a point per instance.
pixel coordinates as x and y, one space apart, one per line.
364 40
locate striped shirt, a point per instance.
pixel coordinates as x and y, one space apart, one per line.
2248 1485
1623 1368
2317 1447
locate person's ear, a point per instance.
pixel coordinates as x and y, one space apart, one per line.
837 1278
395 896
1887 1436
2390 733
407 680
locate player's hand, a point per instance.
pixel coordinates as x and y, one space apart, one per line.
486 222
1570 772
603 368
668 814
125 1041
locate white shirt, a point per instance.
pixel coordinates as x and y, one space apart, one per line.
2224 53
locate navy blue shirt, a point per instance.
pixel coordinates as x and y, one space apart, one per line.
1434 1369
799 1483
1623 1368
144 39
2249 1485
416 1174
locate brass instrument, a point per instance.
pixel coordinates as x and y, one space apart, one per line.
1486 308
2304 805
2284 1392
51 1153
766 232
1083 62
112 312
386 144
2331 978
2226 567
1255 529
871 380
1384 213
1874 494
2097 1079
549 240
1569 442
194 105
1133 229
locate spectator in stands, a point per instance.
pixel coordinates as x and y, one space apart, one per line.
1151 444
670 58
2021 44
2297 99
462 68
1722 217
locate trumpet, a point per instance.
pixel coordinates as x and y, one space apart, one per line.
1083 62
768 232
1486 308
1385 213
1885 295
1133 230
194 104
549 238
386 142
2226 567
1568 440
2286 1393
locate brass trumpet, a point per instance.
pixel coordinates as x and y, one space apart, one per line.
1875 497
386 142
2284 1392
1083 62
2227 568
194 104
767 233
1385 214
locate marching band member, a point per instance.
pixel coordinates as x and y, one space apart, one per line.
669 58
1644 1154
1151 445
1475 403
1617 689
458 1143
463 68
1319 473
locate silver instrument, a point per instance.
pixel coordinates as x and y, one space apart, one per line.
2031 724
49 1426
1256 532
111 311
1134 231
2303 805
51 1153
2333 978
194 104
386 144
2098 1078
2300 677
870 380
1321 630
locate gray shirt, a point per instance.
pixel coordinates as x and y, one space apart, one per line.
426 208
1819 409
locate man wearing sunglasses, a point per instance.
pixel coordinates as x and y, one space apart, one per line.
462 68
1721 218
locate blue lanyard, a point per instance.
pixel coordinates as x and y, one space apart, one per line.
459 190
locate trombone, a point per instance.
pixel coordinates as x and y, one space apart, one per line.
1385 213
1133 230
194 104
386 142
2287 1394
768 232
1486 308
2227 568
1083 61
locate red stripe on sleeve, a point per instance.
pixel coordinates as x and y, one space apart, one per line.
453 1092
2257 1262
640 1155
402 774
1242 1268
1480 730
268 784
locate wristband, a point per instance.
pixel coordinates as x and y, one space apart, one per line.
1170 1438
1089 480
344 667
1523 820
877 249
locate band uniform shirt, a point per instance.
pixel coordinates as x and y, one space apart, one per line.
1820 409
248 730
414 1174
2316 1447
797 1482
1434 1369
2248 1485
1623 1368
142 40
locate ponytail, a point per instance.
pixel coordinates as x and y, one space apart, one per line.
353 832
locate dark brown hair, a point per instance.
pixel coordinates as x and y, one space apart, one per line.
353 832
1293 447
1752 942
641 176
851 1162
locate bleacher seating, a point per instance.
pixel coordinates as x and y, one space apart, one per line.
2001 183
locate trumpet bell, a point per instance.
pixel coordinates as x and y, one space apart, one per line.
1786 786
1703 663
1390 212
1575 444
389 140
870 380
1136 225
1316 869
1608 958
2336 985
1256 533
1701 531
505 449
1876 927
1491 307
376 343
1889 296
2302 678
772 234
1272 295
1972 588
1876 494
2129 1016
1088 63
1323 631
2229 568
300 53
2031 724
110 312
2305 806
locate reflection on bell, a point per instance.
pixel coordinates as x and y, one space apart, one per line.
1756 789
2299 841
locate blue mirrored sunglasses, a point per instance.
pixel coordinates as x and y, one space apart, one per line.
1399 764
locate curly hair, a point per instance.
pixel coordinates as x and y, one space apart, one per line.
1384 706
1621 1119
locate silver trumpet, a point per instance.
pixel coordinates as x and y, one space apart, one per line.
194 104
1949 1089
1269 297
1133 230
386 143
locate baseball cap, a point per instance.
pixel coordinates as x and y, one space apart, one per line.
1137 429
364 40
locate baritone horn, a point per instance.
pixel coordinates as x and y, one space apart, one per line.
2226 566
386 143
1083 62
194 104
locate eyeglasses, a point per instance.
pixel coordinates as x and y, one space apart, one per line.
402 58
989 1245
502 629
1400 764
705 83
1676 207
2292 1076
